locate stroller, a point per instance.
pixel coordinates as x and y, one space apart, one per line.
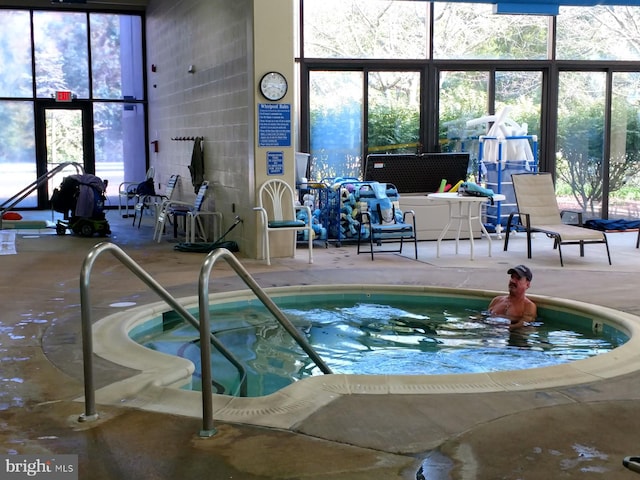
81 199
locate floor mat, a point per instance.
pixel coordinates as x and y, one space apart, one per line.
7 242
27 224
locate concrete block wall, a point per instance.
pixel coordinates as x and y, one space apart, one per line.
209 100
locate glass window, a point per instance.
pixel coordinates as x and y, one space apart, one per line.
466 30
365 29
64 141
17 151
15 50
63 136
624 163
394 112
580 142
116 56
521 93
119 144
598 33
463 96
336 106
61 53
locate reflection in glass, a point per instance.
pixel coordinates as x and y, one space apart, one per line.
463 96
394 112
16 53
472 30
365 29
624 163
336 104
61 54
580 142
17 151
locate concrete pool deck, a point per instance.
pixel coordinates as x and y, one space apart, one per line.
578 431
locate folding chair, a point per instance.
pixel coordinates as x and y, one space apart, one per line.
174 209
383 221
127 192
154 201
277 211
537 211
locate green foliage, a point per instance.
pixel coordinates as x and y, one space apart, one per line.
581 152
389 126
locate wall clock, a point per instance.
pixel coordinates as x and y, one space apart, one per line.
273 86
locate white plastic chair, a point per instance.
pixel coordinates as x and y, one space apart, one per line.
277 212
127 192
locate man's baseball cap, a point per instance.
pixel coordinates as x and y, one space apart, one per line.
521 271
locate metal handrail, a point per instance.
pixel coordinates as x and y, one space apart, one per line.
26 191
205 350
87 333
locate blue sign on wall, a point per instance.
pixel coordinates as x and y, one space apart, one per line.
274 125
275 163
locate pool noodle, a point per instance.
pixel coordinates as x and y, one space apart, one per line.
443 184
456 186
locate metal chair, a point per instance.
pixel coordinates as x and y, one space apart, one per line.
278 212
127 192
538 211
154 201
174 209
383 222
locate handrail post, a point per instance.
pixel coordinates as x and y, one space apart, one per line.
87 324
87 334
87 354
205 350
206 337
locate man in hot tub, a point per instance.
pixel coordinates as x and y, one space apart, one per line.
515 306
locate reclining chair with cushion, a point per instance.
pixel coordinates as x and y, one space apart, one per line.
537 211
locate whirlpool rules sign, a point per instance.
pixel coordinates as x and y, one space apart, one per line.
39 467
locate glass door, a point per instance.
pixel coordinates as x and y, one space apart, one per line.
64 135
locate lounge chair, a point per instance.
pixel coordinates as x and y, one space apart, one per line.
537 211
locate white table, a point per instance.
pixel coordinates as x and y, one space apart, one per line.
470 213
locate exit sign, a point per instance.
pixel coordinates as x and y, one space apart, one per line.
63 96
